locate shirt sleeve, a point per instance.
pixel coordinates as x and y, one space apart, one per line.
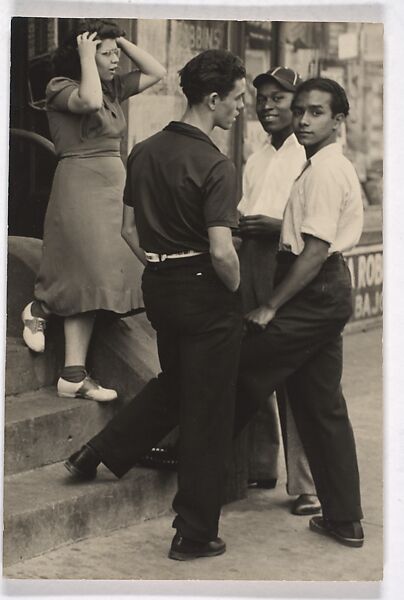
127 195
246 187
58 92
128 198
127 85
220 196
324 200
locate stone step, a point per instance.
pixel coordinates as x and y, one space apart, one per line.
44 508
41 428
26 370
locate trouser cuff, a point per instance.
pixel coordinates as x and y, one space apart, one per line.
112 463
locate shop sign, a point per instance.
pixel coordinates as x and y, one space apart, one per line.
366 266
203 35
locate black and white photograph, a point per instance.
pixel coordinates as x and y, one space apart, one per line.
194 322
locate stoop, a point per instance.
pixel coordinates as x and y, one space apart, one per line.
43 507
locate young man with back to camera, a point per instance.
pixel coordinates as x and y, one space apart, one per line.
180 205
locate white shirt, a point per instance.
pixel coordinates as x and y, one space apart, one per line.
268 178
325 202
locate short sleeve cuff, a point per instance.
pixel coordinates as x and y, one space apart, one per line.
223 223
58 92
322 231
127 197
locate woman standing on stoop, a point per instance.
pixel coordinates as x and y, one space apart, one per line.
86 266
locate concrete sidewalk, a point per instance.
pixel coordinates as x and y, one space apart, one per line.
264 541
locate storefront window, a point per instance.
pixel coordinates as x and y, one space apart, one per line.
42 37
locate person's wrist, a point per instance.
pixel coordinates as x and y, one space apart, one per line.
121 41
87 58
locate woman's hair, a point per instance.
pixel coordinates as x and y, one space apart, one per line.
210 71
66 60
339 101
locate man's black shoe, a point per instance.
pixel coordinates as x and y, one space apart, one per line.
349 533
83 464
264 484
184 549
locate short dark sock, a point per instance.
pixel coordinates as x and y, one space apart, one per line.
74 373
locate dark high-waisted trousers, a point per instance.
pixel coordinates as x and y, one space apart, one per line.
302 346
199 326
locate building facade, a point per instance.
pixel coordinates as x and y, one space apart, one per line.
351 53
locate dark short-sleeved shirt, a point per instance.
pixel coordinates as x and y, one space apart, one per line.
92 134
180 184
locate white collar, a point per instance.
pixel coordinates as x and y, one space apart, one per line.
291 140
329 150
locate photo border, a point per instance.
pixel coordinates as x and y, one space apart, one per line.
391 12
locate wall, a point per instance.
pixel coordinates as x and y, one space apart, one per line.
352 54
173 43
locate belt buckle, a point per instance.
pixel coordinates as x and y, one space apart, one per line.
162 257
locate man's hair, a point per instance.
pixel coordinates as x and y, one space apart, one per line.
210 71
66 59
339 101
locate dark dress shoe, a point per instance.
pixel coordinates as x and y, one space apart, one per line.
184 549
165 459
306 504
349 533
264 484
83 464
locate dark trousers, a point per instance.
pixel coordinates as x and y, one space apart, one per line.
258 262
199 326
302 345
303 339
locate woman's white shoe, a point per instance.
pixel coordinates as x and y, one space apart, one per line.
87 389
34 330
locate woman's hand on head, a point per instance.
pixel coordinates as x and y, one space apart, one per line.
87 98
87 44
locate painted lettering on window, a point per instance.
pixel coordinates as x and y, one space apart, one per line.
366 266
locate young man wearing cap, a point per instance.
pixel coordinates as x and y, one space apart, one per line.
180 205
296 332
268 178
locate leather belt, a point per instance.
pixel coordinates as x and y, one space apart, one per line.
156 258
